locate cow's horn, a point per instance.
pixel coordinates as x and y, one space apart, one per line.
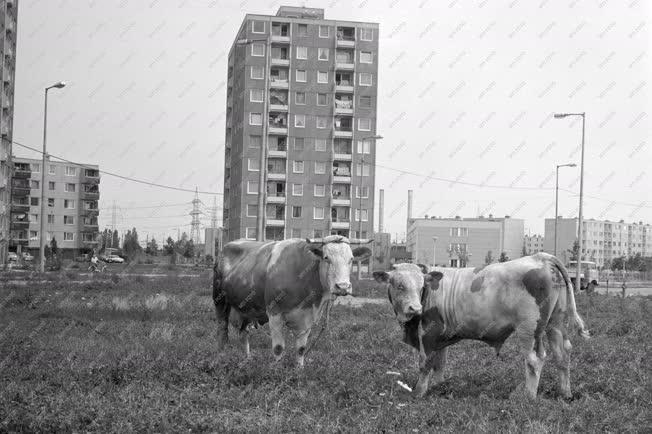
314 240
360 241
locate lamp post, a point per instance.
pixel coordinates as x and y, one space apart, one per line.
578 281
434 251
58 85
260 217
374 137
557 201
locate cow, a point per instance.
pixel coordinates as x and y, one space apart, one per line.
284 282
438 308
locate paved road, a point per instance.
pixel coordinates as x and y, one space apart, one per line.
616 290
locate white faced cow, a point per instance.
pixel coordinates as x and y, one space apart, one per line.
442 307
284 282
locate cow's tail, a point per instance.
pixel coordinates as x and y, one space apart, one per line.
582 330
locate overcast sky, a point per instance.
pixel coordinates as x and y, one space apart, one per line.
466 94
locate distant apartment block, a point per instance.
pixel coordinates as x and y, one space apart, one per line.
9 14
321 92
72 195
533 244
602 241
463 241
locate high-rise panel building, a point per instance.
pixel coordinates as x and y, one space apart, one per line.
9 14
306 88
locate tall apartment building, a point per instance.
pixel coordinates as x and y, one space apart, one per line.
9 14
533 244
602 240
318 108
463 242
71 210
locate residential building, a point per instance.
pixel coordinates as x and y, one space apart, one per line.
72 194
212 241
463 242
602 240
533 244
320 119
399 254
9 14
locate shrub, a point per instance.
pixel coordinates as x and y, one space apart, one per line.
120 303
157 302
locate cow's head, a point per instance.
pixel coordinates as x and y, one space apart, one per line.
408 289
335 260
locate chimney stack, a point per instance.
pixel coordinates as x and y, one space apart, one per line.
381 211
409 204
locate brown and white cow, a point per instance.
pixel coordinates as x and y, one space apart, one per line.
439 308
284 282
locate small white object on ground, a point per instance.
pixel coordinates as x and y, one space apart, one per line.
393 373
403 385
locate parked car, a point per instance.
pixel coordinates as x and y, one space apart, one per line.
12 257
114 259
28 257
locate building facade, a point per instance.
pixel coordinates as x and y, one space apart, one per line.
9 14
533 244
72 195
602 240
318 110
212 241
463 242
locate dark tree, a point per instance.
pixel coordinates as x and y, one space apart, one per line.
489 258
503 257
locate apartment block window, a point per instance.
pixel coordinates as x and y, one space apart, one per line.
257 49
300 98
302 30
364 124
366 57
253 164
459 232
33 235
35 167
257 73
68 220
296 212
52 170
322 54
51 202
51 185
50 219
250 233
69 204
365 102
366 34
324 31
322 99
69 236
322 122
302 53
258 26
317 233
299 143
297 166
365 79
362 169
364 147
297 189
320 145
364 213
34 184
320 190
300 75
255 141
71 171
255 119
362 192
322 76
256 95
33 218
252 210
320 167
252 187
299 121
33 201
318 213
296 233
70 188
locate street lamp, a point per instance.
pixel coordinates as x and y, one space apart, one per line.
578 281
557 200
260 217
434 251
58 85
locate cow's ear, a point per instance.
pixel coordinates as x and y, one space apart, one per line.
361 253
424 269
381 276
432 279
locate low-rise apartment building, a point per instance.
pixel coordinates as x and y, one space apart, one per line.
533 244
72 195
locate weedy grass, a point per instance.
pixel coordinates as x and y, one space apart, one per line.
141 356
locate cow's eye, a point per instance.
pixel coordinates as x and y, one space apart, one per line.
400 287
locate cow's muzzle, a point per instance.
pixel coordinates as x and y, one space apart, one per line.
343 288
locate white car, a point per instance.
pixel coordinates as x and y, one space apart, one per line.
12 257
28 257
114 259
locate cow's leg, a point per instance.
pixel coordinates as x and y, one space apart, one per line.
244 337
222 310
435 361
302 340
531 342
276 324
561 348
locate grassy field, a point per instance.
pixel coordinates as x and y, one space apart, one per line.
139 355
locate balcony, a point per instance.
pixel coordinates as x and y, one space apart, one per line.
20 191
344 179
344 82
341 224
343 106
343 133
276 176
20 207
278 83
345 37
91 227
275 222
279 61
278 130
275 199
94 180
90 212
341 201
278 100
344 65
19 225
277 153
22 174
278 123
90 195
280 32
